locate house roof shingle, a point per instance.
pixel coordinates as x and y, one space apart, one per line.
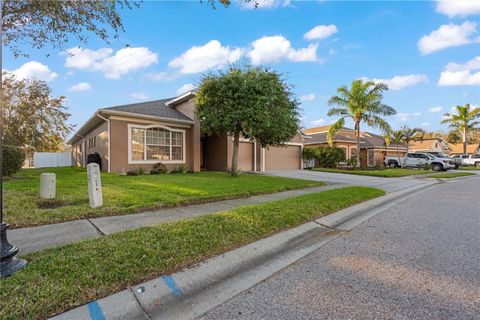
156 108
458 148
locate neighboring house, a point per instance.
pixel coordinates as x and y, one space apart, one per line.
432 145
372 146
457 148
138 135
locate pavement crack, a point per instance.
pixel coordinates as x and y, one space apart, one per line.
96 228
139 304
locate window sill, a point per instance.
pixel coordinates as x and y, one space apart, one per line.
156 161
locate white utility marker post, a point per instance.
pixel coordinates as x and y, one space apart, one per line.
94 185
47 185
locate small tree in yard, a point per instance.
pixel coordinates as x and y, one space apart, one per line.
410 134
396 137
253 102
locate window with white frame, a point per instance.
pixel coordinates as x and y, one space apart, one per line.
156 144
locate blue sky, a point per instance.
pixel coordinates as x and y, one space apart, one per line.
428 52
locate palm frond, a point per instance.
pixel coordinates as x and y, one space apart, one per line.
334 129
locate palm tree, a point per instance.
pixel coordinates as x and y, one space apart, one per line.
410 134
362 103
397 137
462 121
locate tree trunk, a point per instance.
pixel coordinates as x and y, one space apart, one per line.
236 143
357 135
398 156
464 140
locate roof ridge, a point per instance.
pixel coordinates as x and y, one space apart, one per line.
137 103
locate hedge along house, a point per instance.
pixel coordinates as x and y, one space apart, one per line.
139 135
373 148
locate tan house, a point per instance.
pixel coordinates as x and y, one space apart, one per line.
139 135
457 148
441 145
429 145
372 146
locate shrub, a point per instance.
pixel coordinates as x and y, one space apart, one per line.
308 156
179 169
13 159
158 168
329 157
136 172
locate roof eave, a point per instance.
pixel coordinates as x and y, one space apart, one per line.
144 116
181 98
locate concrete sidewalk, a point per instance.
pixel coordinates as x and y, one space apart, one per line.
37 238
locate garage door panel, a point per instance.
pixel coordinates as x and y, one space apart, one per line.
282 158
245 156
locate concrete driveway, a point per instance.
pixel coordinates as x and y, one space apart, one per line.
331 178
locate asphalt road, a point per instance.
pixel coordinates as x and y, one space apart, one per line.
419 259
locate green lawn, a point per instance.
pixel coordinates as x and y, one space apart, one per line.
383 173
127 194
468 168
62 278
450 175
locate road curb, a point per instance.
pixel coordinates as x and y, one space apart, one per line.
195 290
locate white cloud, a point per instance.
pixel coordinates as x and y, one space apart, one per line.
435 109
405 116
455 74
308 97
321 32
270 49
210 55
114 66
401 82
84 59
318 122
82 86
264 4
425 124
460 8
35 70
139 95
448 35
185 88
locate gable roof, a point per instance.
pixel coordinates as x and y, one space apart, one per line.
458 148
425 144
155 108
321 129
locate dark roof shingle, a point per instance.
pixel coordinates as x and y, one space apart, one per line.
156 108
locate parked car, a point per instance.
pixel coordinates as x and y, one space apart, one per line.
473 160
459 158
457 161
417 159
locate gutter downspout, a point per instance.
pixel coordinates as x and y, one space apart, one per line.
108 144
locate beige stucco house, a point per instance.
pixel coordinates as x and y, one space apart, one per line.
373 148
139 135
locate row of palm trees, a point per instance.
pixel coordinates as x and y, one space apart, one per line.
362 103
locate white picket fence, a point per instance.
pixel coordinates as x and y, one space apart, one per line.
52 159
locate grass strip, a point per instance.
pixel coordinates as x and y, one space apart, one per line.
382 173
469 168
128 194
451 175
59 279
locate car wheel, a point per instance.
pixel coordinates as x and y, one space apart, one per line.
392 164
477 164
456 166
437 167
